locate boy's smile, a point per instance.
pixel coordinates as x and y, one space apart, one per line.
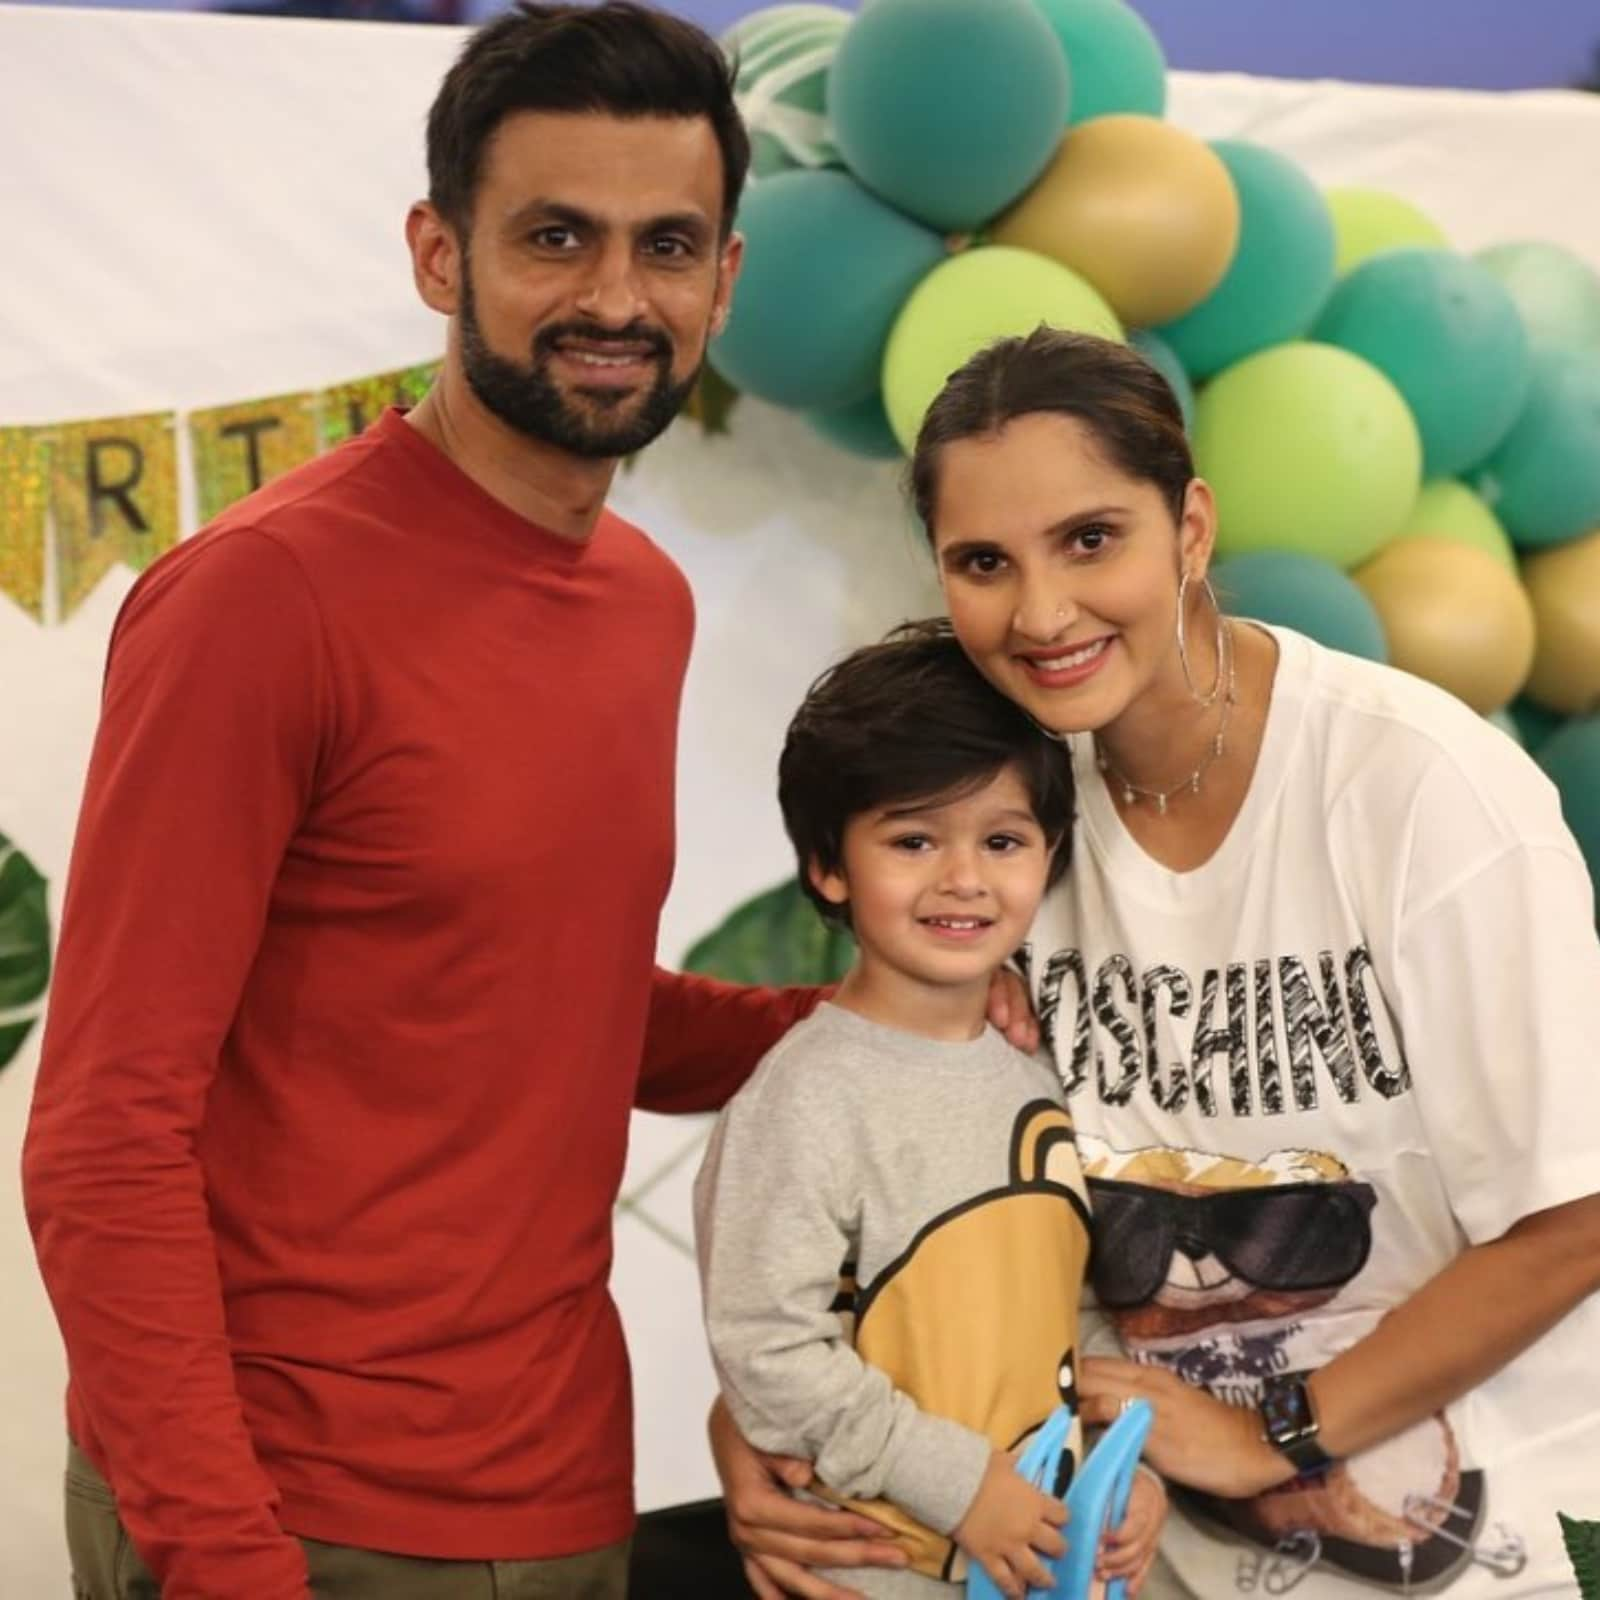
940 892
958 927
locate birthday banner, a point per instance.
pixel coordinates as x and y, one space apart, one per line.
103 493
24 512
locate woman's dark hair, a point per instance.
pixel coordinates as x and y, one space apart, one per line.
1110 388
907 721
618 58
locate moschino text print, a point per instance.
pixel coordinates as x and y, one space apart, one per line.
1270 1035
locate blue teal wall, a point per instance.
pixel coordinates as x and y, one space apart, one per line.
1490 44
1485 44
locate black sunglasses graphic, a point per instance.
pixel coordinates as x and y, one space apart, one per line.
1288 1236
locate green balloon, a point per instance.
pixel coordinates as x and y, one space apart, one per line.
1305 593
1366 221
949 108
1557 292
782 54
1115 60
1571 761
862 429
1165 360
1308 448
1444 331
1544 480
1448 509
1281 272
968 302
826 269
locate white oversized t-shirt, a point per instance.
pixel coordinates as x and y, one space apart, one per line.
1307 1074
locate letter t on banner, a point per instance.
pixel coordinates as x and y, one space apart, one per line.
237 448
114 493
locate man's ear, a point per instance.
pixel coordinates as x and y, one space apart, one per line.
728 264
436 258
830 885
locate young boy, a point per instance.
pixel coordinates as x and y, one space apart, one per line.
892 1224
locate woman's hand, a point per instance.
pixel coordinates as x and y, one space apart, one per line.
780 1537
1011 1010
1194 1440
1129 1550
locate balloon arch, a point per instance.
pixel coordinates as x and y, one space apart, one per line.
1404 440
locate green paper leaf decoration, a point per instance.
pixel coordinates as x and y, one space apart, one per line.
779 937
24 947
1583 1546
712 402
11 1036
709 406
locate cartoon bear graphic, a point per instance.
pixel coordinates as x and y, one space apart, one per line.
977 1319
1208 1265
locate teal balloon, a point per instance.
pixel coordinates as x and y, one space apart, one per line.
1281 272
862 429
1557 292
1165 360
949 109
1535 724
1571 761
1447 335
1305 593
826 269
1116 61
1543 482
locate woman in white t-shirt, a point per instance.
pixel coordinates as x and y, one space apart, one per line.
1319 985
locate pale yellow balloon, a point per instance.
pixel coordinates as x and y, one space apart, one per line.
1367 221
1143 211
1564 586
1454 615
1448 509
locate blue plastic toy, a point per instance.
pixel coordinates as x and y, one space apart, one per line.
1097 1499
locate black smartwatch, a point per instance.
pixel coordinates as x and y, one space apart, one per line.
1289 1424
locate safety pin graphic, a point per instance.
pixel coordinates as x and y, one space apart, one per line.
1405 1555
1279 1571
1506 1558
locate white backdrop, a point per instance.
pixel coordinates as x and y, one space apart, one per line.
205 209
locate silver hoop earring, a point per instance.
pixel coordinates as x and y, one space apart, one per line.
1209 699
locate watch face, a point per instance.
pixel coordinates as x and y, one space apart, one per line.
1286 1410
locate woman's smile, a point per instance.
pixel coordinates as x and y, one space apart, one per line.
1066 667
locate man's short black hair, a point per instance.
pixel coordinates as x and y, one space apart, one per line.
619 58
908 721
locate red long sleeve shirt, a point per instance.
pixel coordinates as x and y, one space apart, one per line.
354 994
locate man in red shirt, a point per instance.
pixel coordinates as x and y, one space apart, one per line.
356 985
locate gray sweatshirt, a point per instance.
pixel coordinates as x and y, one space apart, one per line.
892 1235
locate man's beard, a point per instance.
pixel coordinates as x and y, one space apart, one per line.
528 399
